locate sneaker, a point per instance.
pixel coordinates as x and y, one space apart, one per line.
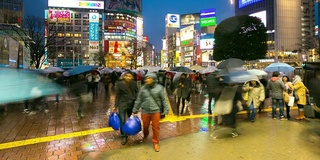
46 111
32 113
25 111
124 141
282 118
252 121
80 116
234 134
274 117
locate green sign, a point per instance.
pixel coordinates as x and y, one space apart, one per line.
208 21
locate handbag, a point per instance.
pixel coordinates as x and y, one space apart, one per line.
114 121
132 126
286 97
291 101
162 115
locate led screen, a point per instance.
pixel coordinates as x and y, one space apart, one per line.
244 3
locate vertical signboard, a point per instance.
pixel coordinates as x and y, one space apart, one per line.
93 33
316 13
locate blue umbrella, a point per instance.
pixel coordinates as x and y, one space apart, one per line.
78 70
18 85
280 67
239 77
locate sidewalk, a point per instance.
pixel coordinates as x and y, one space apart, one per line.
264 139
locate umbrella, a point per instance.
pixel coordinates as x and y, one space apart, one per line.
78 70
280 67
239 77
196 67
209 69
258 72
154 69
53 70
176 77
181 69
231 63
140 72
106 71
223 72
18 85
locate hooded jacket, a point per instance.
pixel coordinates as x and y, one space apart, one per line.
276 85
301 90
146 102
256 95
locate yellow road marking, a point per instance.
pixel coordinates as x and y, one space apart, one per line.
169 118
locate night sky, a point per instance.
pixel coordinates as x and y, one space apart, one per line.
154 12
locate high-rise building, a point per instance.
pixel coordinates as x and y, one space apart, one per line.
11 11
289 23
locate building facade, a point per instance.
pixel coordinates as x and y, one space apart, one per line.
11 11
289 23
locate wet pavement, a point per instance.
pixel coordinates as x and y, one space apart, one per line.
60 135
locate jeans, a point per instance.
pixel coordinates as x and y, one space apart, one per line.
123 114
252 112
275 102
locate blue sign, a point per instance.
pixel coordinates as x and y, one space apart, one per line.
243 3
208 13
173 18
206 36
93 31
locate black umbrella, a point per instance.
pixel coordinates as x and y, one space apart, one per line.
182 69
231 63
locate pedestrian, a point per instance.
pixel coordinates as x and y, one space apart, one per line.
150 98
255 93
214 88
183 91
90 83
301 91
78 89
276 86
126 94
96 80
289 92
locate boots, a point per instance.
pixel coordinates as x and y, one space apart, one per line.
301 115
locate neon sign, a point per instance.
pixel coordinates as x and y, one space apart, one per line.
244 3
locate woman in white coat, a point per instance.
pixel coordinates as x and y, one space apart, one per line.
255 95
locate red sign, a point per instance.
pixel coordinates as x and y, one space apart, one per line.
145 39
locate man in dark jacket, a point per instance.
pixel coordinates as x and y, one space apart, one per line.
78 89
214 88
277 87
126 94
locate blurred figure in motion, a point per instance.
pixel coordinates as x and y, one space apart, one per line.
106 80
90 83
214 88
255 93
78 89
126 94
150 98
96 80
183 89
277 88
31 106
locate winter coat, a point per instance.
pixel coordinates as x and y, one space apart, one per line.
146 102
125 99
276 85
213 84
256 95
301 90
184 87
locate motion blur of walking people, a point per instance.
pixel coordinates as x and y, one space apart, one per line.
126 94
78 89
183 91
214 88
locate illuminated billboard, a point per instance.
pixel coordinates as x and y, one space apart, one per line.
262 16
59 16
128 6
173 20
90 4
244 3
206 41
187 19
208 17
186 35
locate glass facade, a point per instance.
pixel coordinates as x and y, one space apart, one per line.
11 11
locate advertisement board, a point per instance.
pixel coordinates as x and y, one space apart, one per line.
59 16
90 4
316 14
206 41
204 22
173 20
188 19
93 31
208 13
139 29
186 33
244 3
133 6
262 16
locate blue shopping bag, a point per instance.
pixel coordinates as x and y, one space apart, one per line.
114 121
132 126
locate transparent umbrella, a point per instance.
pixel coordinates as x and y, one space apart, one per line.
18 85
